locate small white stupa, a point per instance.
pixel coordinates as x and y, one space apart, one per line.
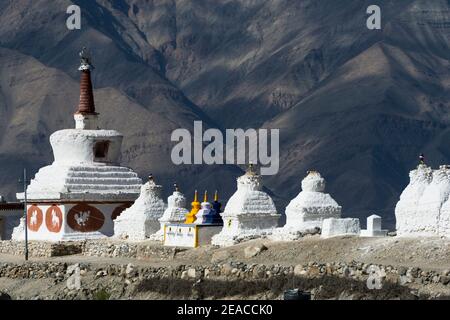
424 206
206 209
250 212
79 194
175 213
18 233
141 220
306 212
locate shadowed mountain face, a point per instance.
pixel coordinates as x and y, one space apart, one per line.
358 105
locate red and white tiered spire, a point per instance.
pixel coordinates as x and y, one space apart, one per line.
85 116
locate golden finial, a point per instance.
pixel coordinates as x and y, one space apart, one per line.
196 196
205 196
216 196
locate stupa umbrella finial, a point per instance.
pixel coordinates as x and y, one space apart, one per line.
85 57
251 169
205 196
177 188
422 159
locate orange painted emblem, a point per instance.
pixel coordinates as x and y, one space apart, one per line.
54 219
85 218
34 217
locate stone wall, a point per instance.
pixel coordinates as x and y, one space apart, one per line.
128 250
94 248
41 248
124 281
231 270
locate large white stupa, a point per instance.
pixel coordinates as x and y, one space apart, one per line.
141 220
250 212
79 194
424 205
307 211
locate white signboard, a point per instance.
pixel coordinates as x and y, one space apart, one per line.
180 235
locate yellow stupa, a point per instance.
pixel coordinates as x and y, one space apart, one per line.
190 217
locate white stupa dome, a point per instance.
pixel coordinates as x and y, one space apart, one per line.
249 213
175 212
142 219
306 212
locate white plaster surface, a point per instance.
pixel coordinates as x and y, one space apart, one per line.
141 220
423 208
67 233
175 213
250 213
332 227
18 233
307 211
76 174
206 208
374 227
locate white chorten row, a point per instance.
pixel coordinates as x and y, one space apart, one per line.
80 195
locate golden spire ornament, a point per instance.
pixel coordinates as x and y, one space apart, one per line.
195 207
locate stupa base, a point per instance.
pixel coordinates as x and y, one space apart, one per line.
70 221
190 235
135 230
289 233
229 239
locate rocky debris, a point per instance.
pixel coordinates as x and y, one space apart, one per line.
220 256
117 281
252 251
191 273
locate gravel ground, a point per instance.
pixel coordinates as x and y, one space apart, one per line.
427 254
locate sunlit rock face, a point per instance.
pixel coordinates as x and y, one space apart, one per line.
424 208
306 212
250 212
141 220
